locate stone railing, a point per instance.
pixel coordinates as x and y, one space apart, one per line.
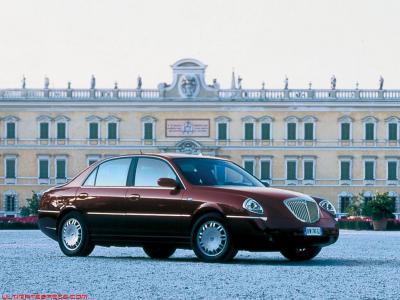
223 94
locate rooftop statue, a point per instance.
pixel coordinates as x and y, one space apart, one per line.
93 82
286 82
188 85
69 85
46 82
240 82
139 83
216 84
310 85
23 81
381 82
333 82
263 85
116 85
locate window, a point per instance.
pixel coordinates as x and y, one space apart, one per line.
345 202
308 131
345 131
91 159
308 170
369 170
119 169
249 131
112 131
43 168
61 130
10 202
148 131
93 131
44 130
392 170
10 168
61 168
265 131
291 131
291 170
248 165
149 170
222 133
345 170
392 131
368 196
265 170
369 131
91 180
10 130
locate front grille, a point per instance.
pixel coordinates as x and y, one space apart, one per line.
306 210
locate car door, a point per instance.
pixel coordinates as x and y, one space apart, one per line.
153 210
102 196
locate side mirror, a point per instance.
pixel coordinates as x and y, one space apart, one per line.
167 182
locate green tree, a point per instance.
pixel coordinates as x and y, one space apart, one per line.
33 205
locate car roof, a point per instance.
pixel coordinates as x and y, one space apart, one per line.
168 155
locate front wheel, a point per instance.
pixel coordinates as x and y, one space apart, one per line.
73 235
159 251
211 240
301 253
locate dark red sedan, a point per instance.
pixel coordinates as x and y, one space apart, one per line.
166 201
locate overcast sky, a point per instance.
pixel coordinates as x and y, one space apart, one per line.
263 40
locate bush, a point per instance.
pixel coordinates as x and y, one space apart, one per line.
19 222
380 207
358 223
33 206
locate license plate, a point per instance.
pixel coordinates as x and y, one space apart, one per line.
313 231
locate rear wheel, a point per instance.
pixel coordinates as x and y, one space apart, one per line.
73 235
211 240
159 251
301 253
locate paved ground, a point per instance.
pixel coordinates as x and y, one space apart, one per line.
360 265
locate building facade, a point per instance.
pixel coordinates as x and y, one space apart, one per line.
331 143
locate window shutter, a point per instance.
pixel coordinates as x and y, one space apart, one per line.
291 170
249 166
61 171
112 131
344 170
222 131
345 131
10 130
308 170
308 131
43 169
249 131
61 131
392 170
265 170
369 131
291 131
44 130
265 131
369 170
148 131
10 168
93 131
392 132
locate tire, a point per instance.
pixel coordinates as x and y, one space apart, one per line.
73 235
301 254
159 251
211 239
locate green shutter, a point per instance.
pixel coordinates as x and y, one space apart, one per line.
248 131
369 131
265 170
61 131
222 131
392 170
392 132
44 130
148 131
369 170
93 131
249 166
10 130
291 170
43 169
10 168
61 169
345 131
112 131
309 131
265 131
344 170
308 170
291 131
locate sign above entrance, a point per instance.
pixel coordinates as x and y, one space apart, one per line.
187 127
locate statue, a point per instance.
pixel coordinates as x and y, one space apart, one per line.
188 85
263 85
357 85
93 82
46 82
310 85
381 81
139 83
116 85
240 82
23 82
215 84
286 82
69 85
333 82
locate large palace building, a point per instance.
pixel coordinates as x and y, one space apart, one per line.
331 143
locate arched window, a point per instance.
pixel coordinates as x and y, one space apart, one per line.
10 203
249 128
61 127
392 129
368 196
344 200
309 128
222 128
291 128
396 201
148 128
266 128
112 128
44 127
10 127
345 128
94 130
370 124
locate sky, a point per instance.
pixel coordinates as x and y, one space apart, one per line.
116 40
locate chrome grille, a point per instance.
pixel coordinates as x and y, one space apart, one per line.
306 210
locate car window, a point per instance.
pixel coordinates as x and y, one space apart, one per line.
113 172
91 179
149 170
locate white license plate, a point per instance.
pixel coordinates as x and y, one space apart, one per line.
313 231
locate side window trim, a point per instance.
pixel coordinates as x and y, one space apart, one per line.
130 181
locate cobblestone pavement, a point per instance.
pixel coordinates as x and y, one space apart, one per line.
361 265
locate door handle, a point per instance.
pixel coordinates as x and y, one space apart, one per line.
83 195
133 197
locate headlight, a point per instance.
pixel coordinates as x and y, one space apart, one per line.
328 206
253 206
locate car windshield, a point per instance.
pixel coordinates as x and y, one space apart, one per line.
214 172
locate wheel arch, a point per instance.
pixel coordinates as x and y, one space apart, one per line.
65 212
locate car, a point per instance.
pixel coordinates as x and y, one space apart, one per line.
162 202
